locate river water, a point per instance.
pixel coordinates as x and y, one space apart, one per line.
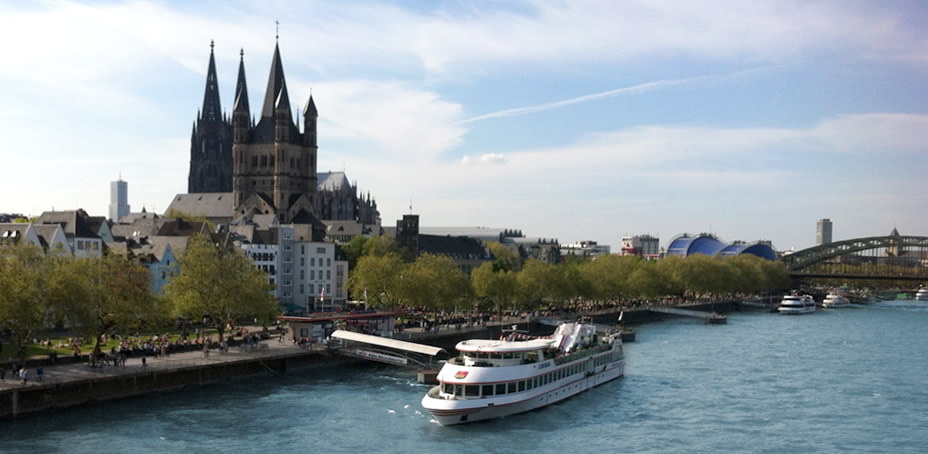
841 380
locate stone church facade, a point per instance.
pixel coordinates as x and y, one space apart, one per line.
268 165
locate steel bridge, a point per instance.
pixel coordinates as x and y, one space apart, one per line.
893 257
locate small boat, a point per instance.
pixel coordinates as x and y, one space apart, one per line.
795 304
495 378
922 294
835 300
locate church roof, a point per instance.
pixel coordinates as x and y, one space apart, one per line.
331 181
211 205
310 108
241 87
275 82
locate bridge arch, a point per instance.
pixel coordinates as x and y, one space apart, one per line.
893 256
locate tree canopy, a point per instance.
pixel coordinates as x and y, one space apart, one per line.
220 284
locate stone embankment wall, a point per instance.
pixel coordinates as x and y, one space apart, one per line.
38 398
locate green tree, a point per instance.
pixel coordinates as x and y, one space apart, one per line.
506 259
221 284
496 286
354 250
107 295
25 296
379 276
539 282
380 246
434 282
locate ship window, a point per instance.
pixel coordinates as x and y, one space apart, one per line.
500 388
511 386
487 390
458 390
471 390
530 383
517 355
522 385
447 388
507 355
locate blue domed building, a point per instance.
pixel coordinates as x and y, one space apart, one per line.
707 244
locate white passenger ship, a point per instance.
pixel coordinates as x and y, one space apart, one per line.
835 300
494 378
795 304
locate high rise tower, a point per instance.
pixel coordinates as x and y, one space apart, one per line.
823 232
211 140
119 199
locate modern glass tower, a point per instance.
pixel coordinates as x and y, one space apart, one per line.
823 232
119 199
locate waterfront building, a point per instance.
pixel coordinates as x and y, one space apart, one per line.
83 241
646 246
823 232
584 249
305 271
686 244
119 199
546 250
49 237
466 252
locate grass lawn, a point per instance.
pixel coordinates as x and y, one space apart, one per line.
8 350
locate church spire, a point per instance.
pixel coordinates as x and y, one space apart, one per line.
241 88
212 109
275 84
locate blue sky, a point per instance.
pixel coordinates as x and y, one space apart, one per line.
567 119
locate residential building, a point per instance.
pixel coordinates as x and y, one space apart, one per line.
646 246
83 241
584 249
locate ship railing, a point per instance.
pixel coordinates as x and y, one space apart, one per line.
574 356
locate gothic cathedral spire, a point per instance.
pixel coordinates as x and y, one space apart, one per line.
212 109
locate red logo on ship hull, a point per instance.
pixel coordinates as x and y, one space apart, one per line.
460 374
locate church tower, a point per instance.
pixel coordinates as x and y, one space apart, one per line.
210 141
274 168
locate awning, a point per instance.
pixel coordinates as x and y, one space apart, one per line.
387 342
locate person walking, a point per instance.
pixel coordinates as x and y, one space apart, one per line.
24 375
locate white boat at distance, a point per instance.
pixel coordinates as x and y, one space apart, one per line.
795 304
495 378
834 300
922 294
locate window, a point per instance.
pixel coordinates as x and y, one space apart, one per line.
312 288
487 390
328 274
302 261
447 388
302 249
312 261
500 388
301 289
511 387
328 288
522 385
471 390
302 275
312 275
320 250
328 262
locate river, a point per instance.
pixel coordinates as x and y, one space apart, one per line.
840 380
